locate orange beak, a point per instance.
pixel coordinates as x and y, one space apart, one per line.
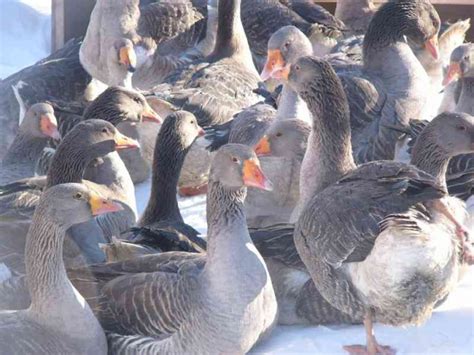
124 142
128 58
253 175
100 205
431 46
49 126
150 115
454 72
263 147
274 65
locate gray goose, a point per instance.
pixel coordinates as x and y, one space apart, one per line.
143 39
38 125
351 234
377 101
127 110
211 293
46 327
281 151
57 77
88 140
161 227
262 18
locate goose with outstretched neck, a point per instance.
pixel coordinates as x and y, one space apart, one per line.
88 140
389 88
38 125
162 219
394 209
206 296
59 320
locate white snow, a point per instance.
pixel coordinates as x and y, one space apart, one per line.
25 38
25 33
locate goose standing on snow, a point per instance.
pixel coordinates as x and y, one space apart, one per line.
222 301
350 234
38 125
59 320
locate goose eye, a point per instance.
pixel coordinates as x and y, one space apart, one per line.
235 160
279 134
137 100
297 67
104 130
78 196
192 122
286 45
462 128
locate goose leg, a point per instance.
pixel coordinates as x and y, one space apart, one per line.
461 232
372 347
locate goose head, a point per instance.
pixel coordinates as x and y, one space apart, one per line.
285 138
70 204
285 46
41 122
461 63
451 133
235 166
117 104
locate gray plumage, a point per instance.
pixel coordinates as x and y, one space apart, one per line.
46 326
192 302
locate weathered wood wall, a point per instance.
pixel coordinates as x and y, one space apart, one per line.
70 17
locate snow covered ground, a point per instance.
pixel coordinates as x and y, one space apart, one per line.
25 38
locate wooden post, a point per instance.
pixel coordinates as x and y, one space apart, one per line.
69 20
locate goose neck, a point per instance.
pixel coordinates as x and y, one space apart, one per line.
46 274
387 27
168 160
430 157
68 165
225 218
291 106
231 40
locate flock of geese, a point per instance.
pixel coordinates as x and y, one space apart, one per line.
337 189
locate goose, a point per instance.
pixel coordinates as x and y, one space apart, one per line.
46 327
356 14
162 219
223 301
88 140
127 110
281 152
38 125
57 77
461 67
389 88
131 44
262 18
351 234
